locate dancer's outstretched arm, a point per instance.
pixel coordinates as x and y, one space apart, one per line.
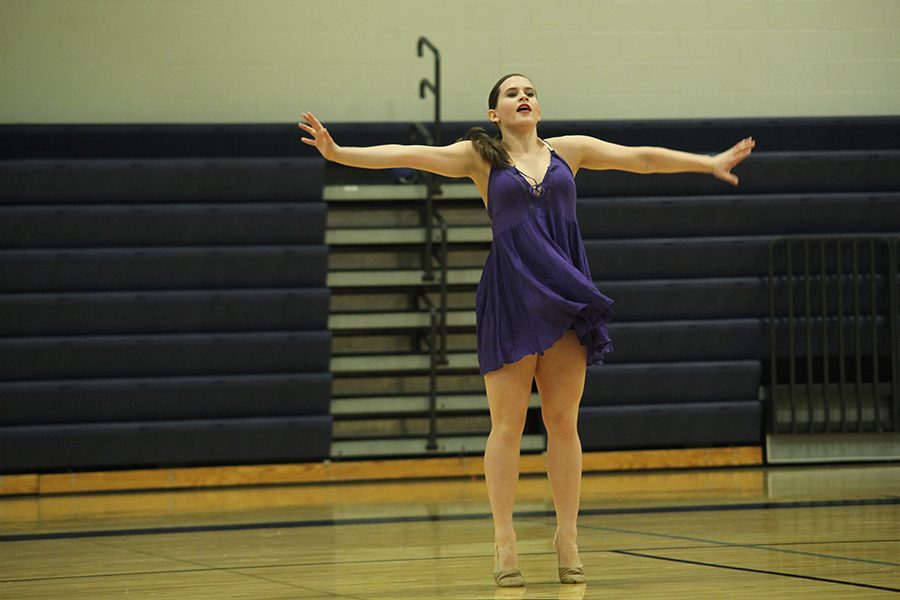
582 151
456 160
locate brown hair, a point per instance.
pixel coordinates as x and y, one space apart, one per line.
488 146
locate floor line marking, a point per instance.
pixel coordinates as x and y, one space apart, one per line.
761 571
766 547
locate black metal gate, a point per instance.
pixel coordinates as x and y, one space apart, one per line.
833 332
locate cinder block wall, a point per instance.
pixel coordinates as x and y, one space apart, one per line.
221 61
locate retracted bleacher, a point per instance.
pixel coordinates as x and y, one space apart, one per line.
162 298
686 258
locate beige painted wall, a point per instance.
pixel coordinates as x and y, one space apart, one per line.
119 61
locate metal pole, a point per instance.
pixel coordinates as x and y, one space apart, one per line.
873 301
792 364
432 388
442 358
842 367
773 353
857 338
894 307
807 332
823 274
427 263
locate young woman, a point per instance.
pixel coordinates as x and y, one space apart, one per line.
538 315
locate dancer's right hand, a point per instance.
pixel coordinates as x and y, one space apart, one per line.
321 139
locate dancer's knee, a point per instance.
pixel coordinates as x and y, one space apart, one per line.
508 428
561 424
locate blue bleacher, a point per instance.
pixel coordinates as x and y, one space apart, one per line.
163 299
160 310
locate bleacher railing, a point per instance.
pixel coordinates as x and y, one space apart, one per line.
432 219
833 334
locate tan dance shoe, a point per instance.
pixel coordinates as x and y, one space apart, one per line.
506 577
570 574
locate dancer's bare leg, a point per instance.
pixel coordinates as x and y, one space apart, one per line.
508 392
560 376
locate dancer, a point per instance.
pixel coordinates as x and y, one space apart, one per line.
539 316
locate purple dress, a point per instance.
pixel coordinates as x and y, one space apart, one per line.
536 284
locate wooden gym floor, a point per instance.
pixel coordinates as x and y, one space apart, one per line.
789 532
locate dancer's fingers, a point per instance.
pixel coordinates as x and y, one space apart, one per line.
739 152
306 123
311 118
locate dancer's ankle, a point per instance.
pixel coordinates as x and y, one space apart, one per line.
507 553
567 535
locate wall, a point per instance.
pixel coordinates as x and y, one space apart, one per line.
223 61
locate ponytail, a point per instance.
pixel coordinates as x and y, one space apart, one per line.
489 147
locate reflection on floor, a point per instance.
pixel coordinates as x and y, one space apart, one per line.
828 531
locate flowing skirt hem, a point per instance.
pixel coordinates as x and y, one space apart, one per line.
591 329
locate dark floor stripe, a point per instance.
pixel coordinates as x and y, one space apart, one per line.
431 518
749 506
763 547
761 571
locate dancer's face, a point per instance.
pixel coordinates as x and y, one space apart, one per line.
517 104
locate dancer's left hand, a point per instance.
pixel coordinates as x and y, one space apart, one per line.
724 162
